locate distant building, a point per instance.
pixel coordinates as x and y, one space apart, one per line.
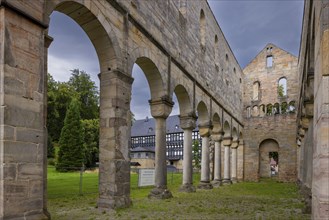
143 141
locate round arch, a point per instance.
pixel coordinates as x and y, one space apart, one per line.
97 28
153 77
203 115
227 129
268 157
184 101
217 124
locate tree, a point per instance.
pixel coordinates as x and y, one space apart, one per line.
71 152
50 148
91 141
59 97
281 91
196 154
87 93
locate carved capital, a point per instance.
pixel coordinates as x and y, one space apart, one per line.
227 141
217 137
301 132
235 144
205 129
115 74
241 142
188 121
48 40
305 122
161 108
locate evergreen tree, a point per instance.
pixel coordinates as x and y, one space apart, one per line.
71 153
50 148
91 140
87 92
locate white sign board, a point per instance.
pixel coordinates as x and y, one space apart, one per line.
146 177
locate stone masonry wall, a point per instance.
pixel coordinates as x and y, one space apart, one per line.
260 126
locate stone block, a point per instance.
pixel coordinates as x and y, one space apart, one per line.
29 135
30 171
19 152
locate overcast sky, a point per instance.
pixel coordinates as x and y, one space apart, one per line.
247 25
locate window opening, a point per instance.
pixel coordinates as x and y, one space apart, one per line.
269 61
282 87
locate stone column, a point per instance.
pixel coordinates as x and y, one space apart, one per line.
187 123
234 147
227 143
23 107
217 161
114 137
204 131
160 110
240 152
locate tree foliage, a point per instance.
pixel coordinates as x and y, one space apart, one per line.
71 150
91 141
87 93
196 154
281 91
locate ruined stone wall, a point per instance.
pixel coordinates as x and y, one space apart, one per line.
261 122
313 108
176 25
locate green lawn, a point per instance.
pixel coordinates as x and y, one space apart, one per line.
267 199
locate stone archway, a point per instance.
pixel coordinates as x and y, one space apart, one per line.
266 149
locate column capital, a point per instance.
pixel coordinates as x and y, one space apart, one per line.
227 141
301 132
304 122
161 108
217 136
298 142
48 40
235 144
241 142
205 129
188 121
116 74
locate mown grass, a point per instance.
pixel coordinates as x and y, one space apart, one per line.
266 199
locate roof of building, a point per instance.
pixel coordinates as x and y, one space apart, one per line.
143 149
146 127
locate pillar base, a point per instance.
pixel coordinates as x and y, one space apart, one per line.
42 216
205 185
234 180
227 182
160 193
187 188
216 183
106 204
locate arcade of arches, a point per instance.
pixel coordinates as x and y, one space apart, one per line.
197 66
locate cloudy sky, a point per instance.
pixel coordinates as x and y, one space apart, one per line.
248 26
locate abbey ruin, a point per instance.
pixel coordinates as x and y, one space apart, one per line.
278 105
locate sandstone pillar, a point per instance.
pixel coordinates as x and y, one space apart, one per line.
187 123
114 161
204 131
23 146
240 156
227 143
217 161
234 147
160 110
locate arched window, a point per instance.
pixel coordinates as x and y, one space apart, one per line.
255 112
216 53
284 108
255 93
276 109
248 112
269 109
291 107
262 110
202 29
282 87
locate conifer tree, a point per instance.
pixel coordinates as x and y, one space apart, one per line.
71 153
